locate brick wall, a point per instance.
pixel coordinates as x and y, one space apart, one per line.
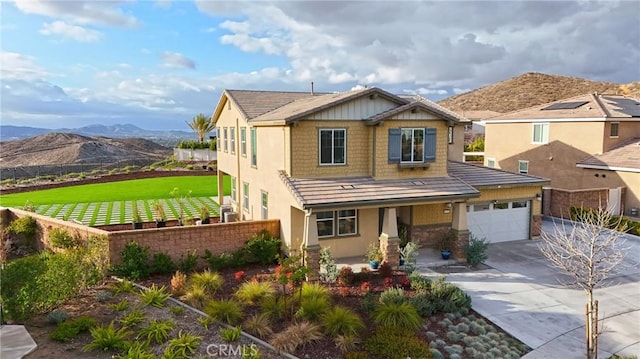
176 241
428 235
562 200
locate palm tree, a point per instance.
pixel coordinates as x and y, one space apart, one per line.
202 125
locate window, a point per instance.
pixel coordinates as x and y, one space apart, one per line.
491 162
501 205
523 167
254 148
450 134
333 146
224 139
412 145
264 205
481 207
232 131
540 133
234 192
346 220
520 204
325 224
245 196
614 129
243 141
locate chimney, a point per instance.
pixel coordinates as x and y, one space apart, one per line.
312 87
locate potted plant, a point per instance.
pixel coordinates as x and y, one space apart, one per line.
204 215
160 218
446 244
374 255
136 218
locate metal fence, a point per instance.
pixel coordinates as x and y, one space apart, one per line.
23 172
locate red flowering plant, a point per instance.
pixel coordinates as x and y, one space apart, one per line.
239 275
365 287
388 282
404 282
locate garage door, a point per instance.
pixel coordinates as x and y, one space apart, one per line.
499 222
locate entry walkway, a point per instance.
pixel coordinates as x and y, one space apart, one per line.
15 342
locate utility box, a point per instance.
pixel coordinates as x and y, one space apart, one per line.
230 217
224 209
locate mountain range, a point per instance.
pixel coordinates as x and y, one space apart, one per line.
8 132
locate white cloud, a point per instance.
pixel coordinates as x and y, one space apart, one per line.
19 66
80 11
425 91
75 32
177 60
163 4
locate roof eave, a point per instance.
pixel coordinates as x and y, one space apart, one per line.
512 185
394 201
608 168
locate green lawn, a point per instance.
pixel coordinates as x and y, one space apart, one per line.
142 189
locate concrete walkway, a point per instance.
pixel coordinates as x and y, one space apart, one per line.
522 295
15 342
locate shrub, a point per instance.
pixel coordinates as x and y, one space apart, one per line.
123 286
315 290
70 329
155 296
253 292
103 296
177 309
312 308
196 297
393 295
162 263
328 268
368 302
135 262
345 276
57 316
26 228
108 338
296 335
432 297
346 343
357 355
178 283
273 307
60 238
342 321
225 310
184 346
132 319
475 250
137 350
121 306
392 315
188 263
157 331
211 282
218 262
259 325
385 270
230 334
262 248
395 343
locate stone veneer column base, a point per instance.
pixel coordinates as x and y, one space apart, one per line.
462 239
536 226
390 247
313 262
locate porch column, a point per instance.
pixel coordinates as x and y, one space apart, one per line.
311 244
460 229
389 240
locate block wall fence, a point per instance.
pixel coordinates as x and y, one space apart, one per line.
175 241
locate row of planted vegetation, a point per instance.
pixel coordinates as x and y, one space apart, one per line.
385 313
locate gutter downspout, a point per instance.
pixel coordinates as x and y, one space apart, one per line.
305 235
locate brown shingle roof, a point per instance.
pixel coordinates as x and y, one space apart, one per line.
591 106
255 103
482 177
418 102
363 191
625 156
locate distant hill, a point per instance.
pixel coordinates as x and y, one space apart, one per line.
68 148
115 131
532 89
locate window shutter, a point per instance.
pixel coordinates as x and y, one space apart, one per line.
394 145
429 144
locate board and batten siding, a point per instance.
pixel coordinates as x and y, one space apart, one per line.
355 110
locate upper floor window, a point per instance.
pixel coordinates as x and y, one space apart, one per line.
523 167
224 139
540 133
450 134
254 148
232 134
245 196
412 145
333 145
243 141
614 129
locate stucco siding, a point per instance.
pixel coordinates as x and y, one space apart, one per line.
384 169
456 148
305 159
626 130
352 246
355 110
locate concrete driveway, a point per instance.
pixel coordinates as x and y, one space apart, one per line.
522 295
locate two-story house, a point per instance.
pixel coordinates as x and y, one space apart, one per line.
556 140
341 169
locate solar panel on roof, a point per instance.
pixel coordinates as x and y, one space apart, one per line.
565 105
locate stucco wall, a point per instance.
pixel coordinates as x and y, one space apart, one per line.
593 178
456 149
353 246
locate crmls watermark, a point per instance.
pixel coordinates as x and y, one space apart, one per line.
229 350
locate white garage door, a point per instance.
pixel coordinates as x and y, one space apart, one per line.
499 222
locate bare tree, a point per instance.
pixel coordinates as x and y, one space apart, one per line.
590 253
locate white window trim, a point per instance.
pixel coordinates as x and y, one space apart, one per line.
243 141
333 225
232 138
234 189
355 232
490 159
245 196
412 143
224 138
544 134
450 135
253 133
332 147
264 209
611 126
520 163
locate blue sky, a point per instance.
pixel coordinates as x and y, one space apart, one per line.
156 64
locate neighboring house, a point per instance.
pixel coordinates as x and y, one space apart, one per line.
551 141
341 169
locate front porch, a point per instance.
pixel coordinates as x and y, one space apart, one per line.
428 257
